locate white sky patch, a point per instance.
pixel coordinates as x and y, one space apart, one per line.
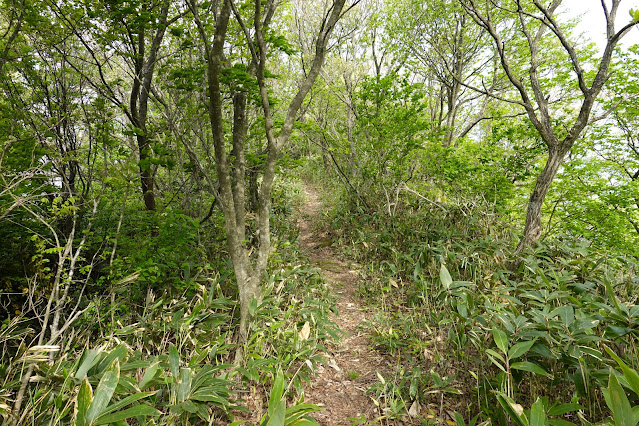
592 22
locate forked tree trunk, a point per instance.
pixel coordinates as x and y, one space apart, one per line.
250 268
533 98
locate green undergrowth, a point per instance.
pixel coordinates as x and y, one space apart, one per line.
554 341
160 349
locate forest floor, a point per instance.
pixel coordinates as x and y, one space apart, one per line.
340 386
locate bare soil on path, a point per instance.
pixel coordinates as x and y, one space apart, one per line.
339 387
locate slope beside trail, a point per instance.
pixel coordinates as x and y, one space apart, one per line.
340 386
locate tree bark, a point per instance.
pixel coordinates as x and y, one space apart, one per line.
532 229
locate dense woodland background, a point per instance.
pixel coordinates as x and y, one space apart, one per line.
479 161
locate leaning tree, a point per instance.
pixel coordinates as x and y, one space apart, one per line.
541 96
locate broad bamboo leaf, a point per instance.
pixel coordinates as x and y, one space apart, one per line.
630 374
279 415
619 404
174 361
530 367
459 419
184 385
514 410
520 349
149 375
85 396
117 353
135 411
562 409
538 414
501 339
611 294
126 401
298 411
445 277
492 355
211 394
276 393
103 392
90 358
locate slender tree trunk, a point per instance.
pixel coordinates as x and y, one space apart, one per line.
139 103
350 125
248 269
533 229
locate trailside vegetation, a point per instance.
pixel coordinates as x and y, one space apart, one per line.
478 164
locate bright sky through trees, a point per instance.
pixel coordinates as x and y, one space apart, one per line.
593 24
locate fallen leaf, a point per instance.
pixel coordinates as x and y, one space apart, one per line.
333 364
414 409
305 332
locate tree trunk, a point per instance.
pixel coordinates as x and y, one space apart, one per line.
533 229
146 174
248 269
139 103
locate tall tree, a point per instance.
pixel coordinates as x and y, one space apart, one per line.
259 39
537 23
451 52
133 32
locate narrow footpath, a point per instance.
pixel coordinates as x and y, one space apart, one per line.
339 387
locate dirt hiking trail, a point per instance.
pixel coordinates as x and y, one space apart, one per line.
339 387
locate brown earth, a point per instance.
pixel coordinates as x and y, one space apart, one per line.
340 387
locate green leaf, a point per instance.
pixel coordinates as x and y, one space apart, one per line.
209 395
496 359
103 392
514 410
459 419
619 404
611 294
135 411
537 414
501 339
562 409
252 306
85 396
630 374
174 361
119 353
445 277
278 416
297 411
127 401
530 367
189 406
520 349
276 393
149 375
184 385
89 359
